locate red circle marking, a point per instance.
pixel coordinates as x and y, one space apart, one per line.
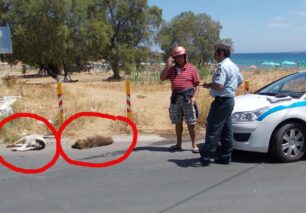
51 128
101 115
59 149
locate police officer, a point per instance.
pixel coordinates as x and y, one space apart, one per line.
225 81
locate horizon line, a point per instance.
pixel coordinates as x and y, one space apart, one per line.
302 51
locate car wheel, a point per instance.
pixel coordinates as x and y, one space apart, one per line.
288 143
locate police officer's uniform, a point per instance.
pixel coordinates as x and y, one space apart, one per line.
219 117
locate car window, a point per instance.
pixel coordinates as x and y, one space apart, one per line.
293 85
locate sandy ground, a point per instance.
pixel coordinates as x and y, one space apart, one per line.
93 93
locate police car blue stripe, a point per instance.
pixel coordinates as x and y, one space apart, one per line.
278 108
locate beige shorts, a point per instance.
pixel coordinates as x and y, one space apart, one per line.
182 110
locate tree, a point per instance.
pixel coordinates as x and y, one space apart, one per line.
4 8
198 33
55 34
133 23
89 33
58 33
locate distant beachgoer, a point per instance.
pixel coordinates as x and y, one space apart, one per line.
225 81
184 81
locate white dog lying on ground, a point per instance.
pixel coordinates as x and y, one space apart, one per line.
29 142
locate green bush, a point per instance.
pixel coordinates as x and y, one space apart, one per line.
203 72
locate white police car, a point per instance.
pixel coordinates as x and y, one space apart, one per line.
273 119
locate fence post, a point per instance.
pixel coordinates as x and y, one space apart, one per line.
60 102
246 87
128 99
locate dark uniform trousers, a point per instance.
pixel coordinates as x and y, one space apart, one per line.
219 128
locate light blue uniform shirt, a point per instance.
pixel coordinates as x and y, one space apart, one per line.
228 75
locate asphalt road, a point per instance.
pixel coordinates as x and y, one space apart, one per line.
151 180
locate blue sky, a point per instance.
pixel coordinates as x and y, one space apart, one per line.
254 25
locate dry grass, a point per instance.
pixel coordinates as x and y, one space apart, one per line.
19 127
260 78
150 102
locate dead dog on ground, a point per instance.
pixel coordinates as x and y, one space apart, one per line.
93 141
28 143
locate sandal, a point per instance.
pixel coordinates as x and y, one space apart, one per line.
195 150
174 148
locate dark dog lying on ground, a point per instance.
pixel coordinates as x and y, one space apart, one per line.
93 141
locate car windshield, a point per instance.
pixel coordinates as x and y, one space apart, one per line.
293 85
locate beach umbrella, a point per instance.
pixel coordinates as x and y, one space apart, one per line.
266 63
253 67
288 63
271 63
302 63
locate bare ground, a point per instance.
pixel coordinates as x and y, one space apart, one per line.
93 93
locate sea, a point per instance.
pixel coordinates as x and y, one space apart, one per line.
248 61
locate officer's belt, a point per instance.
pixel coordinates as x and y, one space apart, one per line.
220 98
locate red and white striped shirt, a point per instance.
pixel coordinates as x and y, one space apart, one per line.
187 77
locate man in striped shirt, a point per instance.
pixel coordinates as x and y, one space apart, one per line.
184 80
